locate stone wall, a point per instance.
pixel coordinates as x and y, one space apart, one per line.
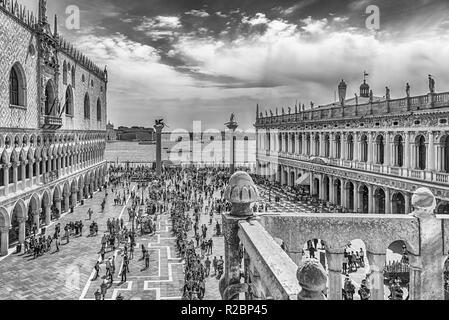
97 91
16 40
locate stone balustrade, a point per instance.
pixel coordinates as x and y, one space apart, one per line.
271 272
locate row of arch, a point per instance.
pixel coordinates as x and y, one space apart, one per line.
45 206
23 167
40 140
319 145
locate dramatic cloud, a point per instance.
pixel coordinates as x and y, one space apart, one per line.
159 27
202 60
197 13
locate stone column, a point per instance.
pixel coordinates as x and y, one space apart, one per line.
35 214
240 211
67 202
47 214
407 151
430 161
332 146
377 263
334 262
432 257
356 198
14 175
388 201
387 155
4 241
370 199
74 196
30 170
21 229
370 148
331 190
343 193
415 277
313 145
158 128
356 146
38 169
407 199
6 177
439 159
322 145
344 146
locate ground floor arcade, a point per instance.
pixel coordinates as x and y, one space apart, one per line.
354 196
45 204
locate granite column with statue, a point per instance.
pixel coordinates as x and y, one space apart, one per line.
158 127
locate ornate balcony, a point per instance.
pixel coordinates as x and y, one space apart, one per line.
51 122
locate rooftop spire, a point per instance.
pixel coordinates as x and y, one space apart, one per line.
55 32
43 11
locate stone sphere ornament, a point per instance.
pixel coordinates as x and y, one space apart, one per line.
424 202
313 279
241 192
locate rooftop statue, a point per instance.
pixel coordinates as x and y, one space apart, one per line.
387 93
431 84
407 90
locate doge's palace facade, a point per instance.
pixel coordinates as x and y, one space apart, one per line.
52 124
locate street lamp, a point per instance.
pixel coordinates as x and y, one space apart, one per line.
232 125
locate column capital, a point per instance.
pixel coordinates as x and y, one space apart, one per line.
4 229
21 219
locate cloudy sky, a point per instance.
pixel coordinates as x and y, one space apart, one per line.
202 60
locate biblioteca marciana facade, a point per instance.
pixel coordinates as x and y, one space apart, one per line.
52 124
367 154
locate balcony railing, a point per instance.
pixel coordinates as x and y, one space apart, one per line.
380 107
51 122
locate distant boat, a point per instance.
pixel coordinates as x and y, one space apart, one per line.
147 142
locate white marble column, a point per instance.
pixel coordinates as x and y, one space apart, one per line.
377 263
407 151
370 199
430 161
334 262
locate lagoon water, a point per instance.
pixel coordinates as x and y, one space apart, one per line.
210 152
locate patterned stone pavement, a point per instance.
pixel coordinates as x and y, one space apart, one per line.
164 278
285 205
58 275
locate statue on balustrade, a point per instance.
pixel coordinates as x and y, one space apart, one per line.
356 99
271 113
407 90
371 97
431 84
387 93
289 110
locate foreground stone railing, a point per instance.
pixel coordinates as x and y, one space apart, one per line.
270 267
271 272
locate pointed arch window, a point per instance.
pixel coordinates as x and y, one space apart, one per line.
17 86
86 107
98 110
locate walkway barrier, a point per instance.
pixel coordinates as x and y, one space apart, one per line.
271 272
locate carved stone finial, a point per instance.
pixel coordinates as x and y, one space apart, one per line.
424 202
241 192
313 279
